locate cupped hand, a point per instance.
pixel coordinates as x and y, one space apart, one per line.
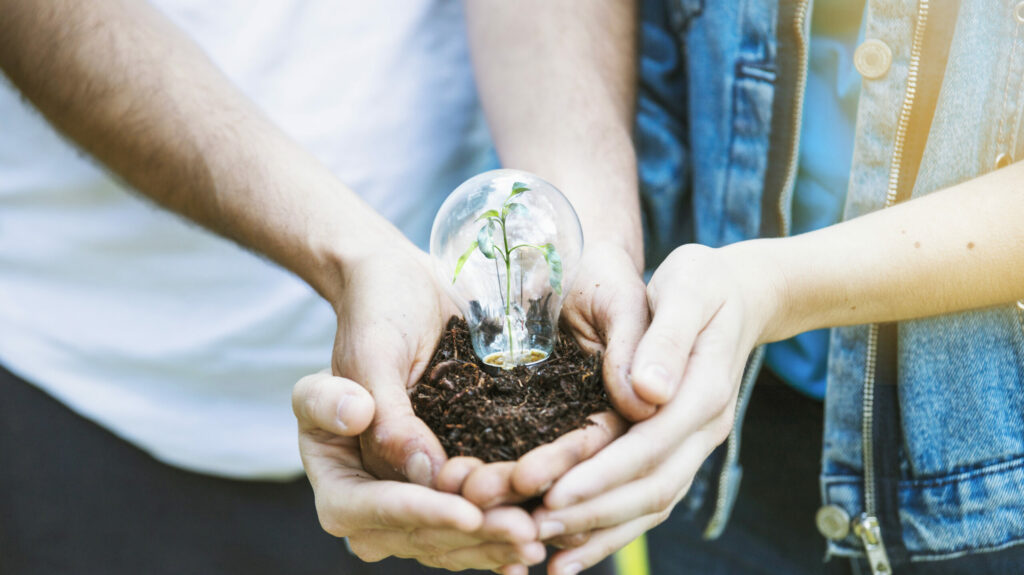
607 313
391 313
710 308
383 518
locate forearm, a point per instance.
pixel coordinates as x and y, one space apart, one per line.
954 250
557 79
124 84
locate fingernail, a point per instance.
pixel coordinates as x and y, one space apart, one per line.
344 412
549 529
655 378
572 569
418 469
544 488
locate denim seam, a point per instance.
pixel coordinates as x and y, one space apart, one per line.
1000 466
838 549
1006 87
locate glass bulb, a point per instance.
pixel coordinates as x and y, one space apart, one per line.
506 244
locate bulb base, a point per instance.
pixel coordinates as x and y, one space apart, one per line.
501 360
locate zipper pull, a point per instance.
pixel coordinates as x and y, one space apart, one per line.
866 527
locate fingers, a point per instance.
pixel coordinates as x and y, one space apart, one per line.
491 484
334 404
623 322
355 503
705 399
600 545
654 493
376 545
454 472
536 471
489 556
398 445
663 351
508 525
514 570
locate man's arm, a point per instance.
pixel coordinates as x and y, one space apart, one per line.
129 88
558 83
557 80
124 84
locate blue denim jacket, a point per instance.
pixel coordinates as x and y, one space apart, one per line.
718 107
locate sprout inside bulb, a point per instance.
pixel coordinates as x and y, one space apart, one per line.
506 244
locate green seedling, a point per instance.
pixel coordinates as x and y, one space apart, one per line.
495 220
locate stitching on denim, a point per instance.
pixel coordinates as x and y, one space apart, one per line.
1006 85
963 550
845 551
756 70
992 468
1004 466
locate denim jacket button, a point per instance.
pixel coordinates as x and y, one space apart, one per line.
1003 160
833 522
1018 12
872 59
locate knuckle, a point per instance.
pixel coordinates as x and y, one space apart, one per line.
444 561
330 522
721 426
366 549
390 513
664 498
308 401
422 540
646 453
666 343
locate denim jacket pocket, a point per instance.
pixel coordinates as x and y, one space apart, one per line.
753 94
958 412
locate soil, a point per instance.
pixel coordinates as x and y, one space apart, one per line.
500 417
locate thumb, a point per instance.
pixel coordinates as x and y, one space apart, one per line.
623 323
664 350
399 444
335 404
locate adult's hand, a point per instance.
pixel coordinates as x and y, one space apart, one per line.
607 313
709 311
390 317
382 518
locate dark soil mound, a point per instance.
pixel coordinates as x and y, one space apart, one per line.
500 417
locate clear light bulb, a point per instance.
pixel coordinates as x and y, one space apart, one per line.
506 244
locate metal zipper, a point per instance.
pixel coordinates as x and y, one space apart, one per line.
726 486
785 197
866 526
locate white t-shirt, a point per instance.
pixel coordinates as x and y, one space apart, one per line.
171 337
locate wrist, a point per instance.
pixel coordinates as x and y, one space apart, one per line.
334 255
765 288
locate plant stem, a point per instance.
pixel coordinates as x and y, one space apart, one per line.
508 294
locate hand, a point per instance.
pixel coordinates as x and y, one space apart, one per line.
383 518
710 308
390 317
607 312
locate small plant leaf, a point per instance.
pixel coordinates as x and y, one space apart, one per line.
462 261
514 208
518 188
488 215
484 240
554 267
